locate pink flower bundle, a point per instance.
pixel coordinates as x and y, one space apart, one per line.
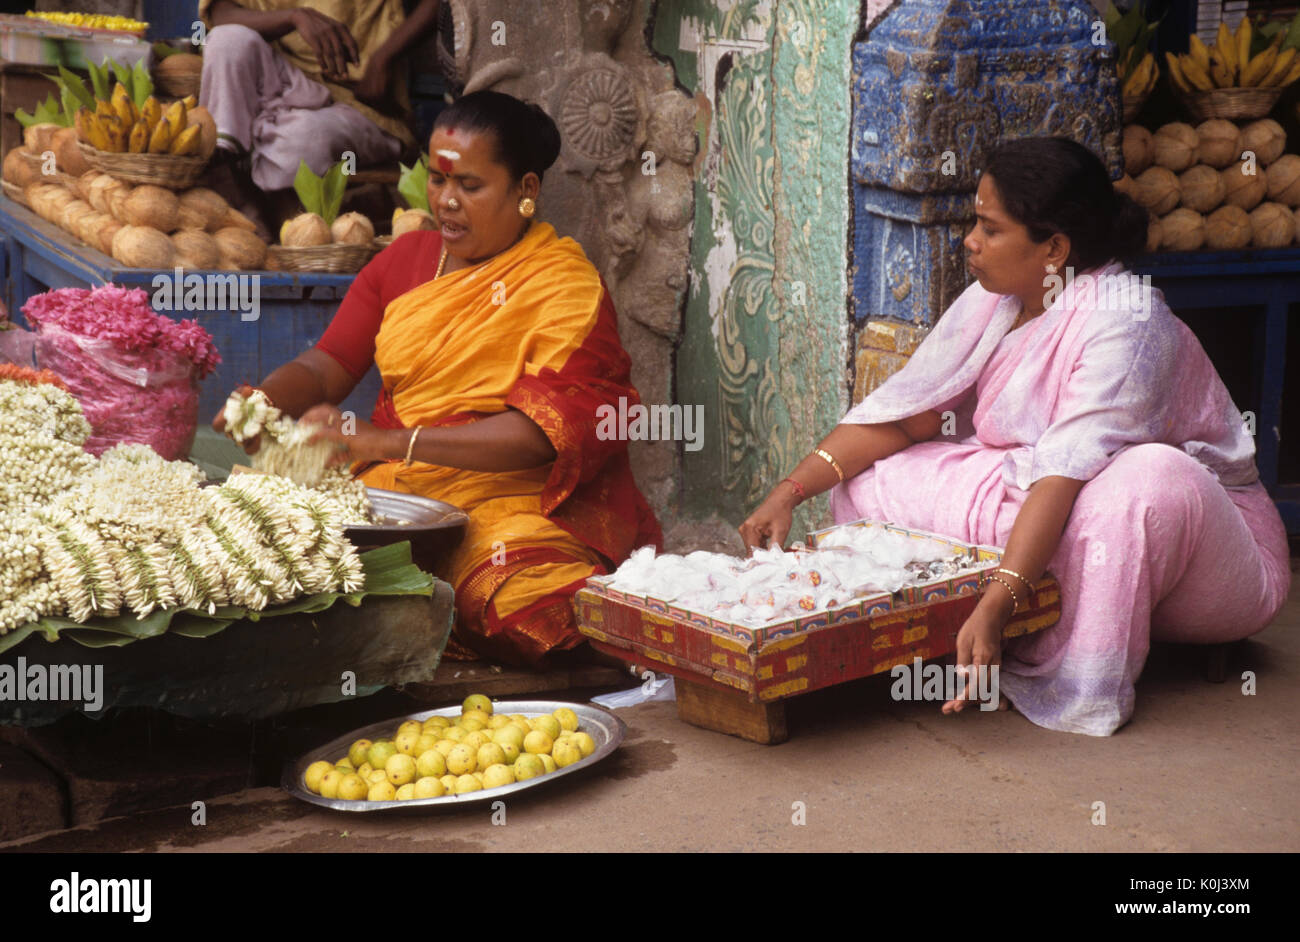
135 373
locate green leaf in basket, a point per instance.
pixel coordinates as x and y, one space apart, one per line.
1293 33
332 187
161 50
122 73
413 184
99 81
141 84
69 113
308 186
73 83
50 111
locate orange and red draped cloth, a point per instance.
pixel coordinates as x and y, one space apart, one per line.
531 329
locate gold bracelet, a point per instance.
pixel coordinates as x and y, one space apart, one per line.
1015 600
411 446
828 457
1029 586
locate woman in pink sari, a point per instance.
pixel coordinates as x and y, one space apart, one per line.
1076 422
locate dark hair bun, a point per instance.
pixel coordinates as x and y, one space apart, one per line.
527 139
1053 184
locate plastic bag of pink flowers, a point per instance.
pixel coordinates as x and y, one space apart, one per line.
136 373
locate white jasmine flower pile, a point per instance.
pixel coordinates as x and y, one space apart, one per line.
285 447
132 532
773 585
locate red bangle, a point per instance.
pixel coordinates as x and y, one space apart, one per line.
798 489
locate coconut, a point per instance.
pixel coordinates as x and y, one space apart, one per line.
1175 146
305 229
1126 186
413 220
18 170
1202 188
117 197
106 233
1183 230
1157 190
71 212
354 229
1265 139
1283 180
237 220
187 218
207 203
100 187
1228 227
1220 142
240 248
1155 233
1242 189
1139 149
178 72
38 138
56 197
67 154
143 247
84 181
208 132
196 249
1272 226
88 224
152 206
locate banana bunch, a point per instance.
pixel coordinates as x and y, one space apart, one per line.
1229 64
1140 79
117 126
91 21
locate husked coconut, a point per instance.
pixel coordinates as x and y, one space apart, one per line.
1175 146
1202 188
413 220
240 249
237 220
1157 190
1139 149
1228 227
1283 180
1272 226
88 226
73 210
1183 230
104 238
1243 189
187 218
67 154
1126 186
152 206
1219 143
38 138
207 132
207 203
304 230
143 247
1265 139
117 197
353 229
99 190
83 183
196 249
18 170
1154 234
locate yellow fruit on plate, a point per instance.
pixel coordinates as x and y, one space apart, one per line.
489 754
410 725
407 740
511 752
497 721
431 763
528 766
445 746
382 791
547 762
477 701
567 719
429 787
510 734
315 772
497 775
468 783
547 724
585 743
426 742
471 724
406 792
329 783
353 788
380 753
461 760
436 722
449 784
538 742
364 769
476 739
346 763
456 733
400 769
565 754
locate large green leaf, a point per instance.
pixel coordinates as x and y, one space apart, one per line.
388 571
308 187
413 184
1293 34
99 80
141 84
332 186
50 111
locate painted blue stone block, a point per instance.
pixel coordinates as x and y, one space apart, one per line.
936 84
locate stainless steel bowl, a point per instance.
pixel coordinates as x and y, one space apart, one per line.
433 527
601 724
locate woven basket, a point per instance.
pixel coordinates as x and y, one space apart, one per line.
383 242
14 192
336 259
1243 104
165 170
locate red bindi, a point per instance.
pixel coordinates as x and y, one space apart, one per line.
445 165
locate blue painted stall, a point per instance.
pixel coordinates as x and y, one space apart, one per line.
294 308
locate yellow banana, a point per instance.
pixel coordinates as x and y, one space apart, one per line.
123 106
1227 46
104 108
187 142
1176 73
116 133
1199 52
1280 68
1136 82
1195 75
175 115
1244 36
151 112
96 135
1219 70
1155 76
1292 75
161 139
138 142
190 102
1258 67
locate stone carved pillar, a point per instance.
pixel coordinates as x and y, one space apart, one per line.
622 186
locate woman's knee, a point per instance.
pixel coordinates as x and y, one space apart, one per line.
232 41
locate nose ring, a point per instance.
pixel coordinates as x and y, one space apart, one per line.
453 204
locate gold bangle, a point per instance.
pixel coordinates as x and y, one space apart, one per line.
828 457
1029 586
1015 600
411 445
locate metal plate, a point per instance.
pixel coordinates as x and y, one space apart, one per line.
401 516
601 724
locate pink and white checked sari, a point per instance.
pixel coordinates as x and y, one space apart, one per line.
1172 538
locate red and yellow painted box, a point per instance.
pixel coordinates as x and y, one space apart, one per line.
808 653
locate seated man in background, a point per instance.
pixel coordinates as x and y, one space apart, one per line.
291 80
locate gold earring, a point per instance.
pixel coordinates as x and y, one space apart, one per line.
527 207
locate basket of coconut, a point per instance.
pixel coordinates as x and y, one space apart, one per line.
413 185
319 239
133 136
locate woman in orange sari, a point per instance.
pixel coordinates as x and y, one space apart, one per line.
497 344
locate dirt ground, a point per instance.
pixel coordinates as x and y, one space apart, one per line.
1201 767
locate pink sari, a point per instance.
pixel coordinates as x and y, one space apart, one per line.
1172 538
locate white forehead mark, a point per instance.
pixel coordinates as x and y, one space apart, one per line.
449 154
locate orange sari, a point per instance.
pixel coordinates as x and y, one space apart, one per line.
531 329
